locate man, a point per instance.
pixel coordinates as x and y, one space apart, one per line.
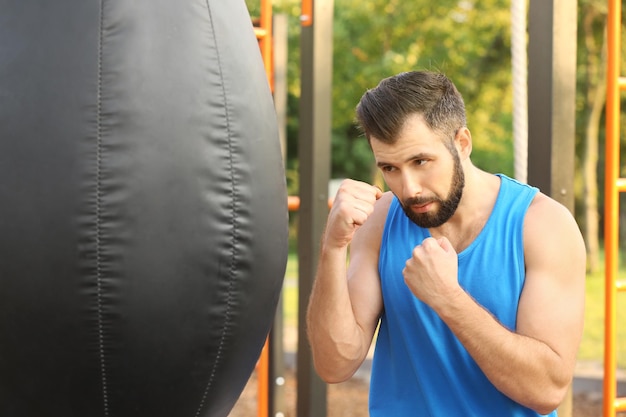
477 280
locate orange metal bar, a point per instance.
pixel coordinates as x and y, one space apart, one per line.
265 42
263 34
293 203
306 13
265 39
263 376
611 205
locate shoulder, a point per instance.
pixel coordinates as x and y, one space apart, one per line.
550 230
545 211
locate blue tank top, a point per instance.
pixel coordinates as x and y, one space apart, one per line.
420 368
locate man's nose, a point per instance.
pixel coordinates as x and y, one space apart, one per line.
411 186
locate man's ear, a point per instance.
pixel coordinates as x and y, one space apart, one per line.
463 142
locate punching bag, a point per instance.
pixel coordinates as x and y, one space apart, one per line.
143 209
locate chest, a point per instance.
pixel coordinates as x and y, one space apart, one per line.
490 267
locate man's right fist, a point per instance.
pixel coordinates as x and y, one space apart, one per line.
351 207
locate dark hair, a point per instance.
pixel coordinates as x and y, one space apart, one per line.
382 111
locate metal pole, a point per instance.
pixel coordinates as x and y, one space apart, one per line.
276 403
611 206
314 157
552 97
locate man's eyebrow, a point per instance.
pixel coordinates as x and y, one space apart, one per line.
421 155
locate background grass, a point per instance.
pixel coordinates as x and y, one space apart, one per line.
592 344
290 292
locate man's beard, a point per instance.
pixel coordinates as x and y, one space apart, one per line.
447 206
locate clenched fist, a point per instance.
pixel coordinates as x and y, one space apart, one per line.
352 206
432 271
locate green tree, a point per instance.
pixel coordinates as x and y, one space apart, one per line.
591 74
590 106
469 40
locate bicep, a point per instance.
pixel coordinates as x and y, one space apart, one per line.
551 307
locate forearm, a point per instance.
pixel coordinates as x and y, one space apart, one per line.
336 338
340 324
525 369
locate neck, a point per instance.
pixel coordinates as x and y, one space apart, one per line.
479 197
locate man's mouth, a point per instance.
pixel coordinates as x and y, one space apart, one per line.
421 208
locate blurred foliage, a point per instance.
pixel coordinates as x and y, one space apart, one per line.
468 40
373 39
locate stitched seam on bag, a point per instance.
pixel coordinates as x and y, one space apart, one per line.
101 335
234 233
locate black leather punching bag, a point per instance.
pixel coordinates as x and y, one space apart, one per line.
143 217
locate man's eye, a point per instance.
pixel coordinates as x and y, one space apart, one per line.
420 161
387 168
